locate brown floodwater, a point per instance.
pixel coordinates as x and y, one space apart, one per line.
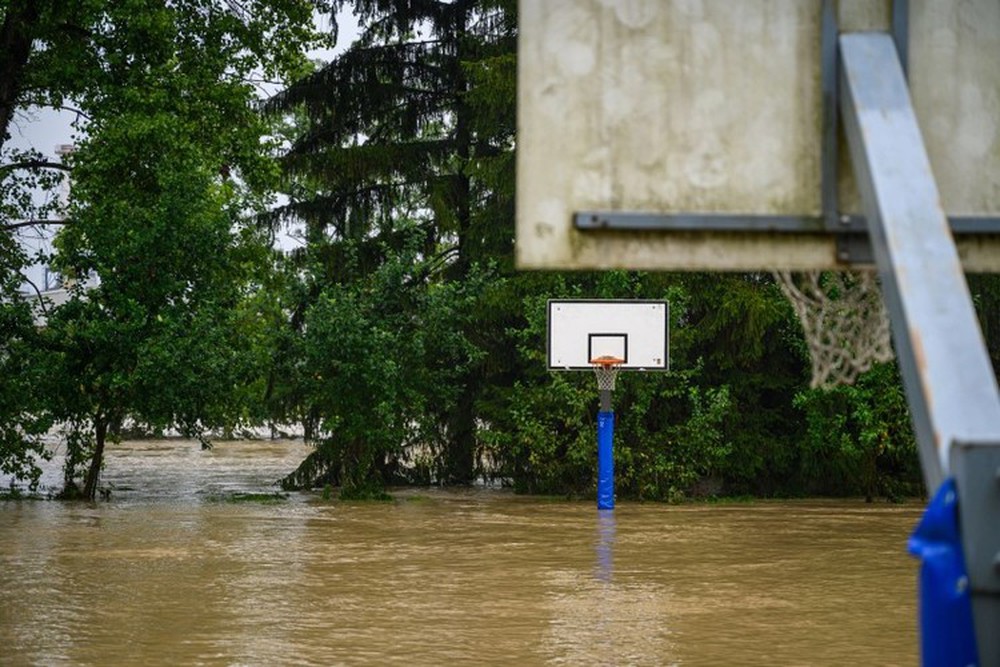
170 572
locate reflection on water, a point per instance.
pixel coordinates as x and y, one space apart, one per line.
605 544
166 573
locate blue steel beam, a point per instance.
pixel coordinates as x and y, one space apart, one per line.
949 381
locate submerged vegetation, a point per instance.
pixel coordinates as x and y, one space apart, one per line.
396 332
263 498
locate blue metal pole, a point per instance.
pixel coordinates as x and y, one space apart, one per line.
605 460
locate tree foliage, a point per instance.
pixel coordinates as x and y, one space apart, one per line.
382 358
859 439
168 166
399 145
21 423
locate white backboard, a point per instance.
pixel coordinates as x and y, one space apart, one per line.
716 107
633 330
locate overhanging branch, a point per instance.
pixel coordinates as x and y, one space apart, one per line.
32 164
11 226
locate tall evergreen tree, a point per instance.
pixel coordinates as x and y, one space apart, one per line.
409 129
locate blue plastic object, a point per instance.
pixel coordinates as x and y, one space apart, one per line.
947 633
605 461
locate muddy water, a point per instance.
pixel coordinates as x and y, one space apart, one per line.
168 573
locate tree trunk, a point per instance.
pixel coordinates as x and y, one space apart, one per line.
459 454
94 471
16 36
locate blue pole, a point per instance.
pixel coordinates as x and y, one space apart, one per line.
947 632
605 460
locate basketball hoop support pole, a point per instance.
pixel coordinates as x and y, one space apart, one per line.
607 336
950 386
606 369
605 454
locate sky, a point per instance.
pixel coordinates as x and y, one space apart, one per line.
44 130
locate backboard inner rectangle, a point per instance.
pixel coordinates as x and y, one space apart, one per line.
608 345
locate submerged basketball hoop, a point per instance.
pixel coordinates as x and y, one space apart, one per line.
606 369
607 336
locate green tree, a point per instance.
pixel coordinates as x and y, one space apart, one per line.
77 56
859 438
409 128
170 164
376 376
985 290
21 422
744 336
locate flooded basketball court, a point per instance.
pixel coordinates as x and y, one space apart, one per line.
172 571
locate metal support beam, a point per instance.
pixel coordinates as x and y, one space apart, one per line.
976 469
952 390
828 83
949 381
636 221
850 231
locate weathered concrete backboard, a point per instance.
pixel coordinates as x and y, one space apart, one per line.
715 106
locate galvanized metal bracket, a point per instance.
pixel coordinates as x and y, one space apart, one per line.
846 225
976 469
946 368
852 247
850 231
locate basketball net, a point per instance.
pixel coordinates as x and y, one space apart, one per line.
606 369
844 320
